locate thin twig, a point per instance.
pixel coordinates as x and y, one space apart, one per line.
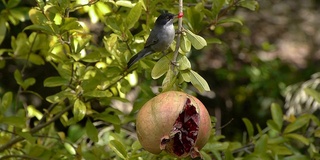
176 52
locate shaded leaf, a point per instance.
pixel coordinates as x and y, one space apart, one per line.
3 29
297 124
261 145
199 82
249 4
91 131
298 137
277 115
230 20
313 93
249 127
14 121
217 6
6 101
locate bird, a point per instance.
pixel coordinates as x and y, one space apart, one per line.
160 38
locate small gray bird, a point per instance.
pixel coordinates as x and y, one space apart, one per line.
159 39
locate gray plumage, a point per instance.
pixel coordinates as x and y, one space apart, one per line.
159 39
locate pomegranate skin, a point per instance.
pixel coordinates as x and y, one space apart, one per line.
156 119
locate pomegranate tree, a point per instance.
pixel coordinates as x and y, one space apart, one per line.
175 122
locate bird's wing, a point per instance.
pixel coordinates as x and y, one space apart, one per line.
152 39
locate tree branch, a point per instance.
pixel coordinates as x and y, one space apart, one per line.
176 52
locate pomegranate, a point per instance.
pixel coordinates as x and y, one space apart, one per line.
175 122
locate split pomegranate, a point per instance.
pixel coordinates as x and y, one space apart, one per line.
175 122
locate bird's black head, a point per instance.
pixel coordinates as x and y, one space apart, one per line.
164 18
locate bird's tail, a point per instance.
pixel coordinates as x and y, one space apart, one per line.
138 56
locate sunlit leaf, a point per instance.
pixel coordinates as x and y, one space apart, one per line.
79 109
55 81
199 82
184 63
186 75
185 44
169 80
69 148
125 3
197 41
118 148
97 93
160 68
134 15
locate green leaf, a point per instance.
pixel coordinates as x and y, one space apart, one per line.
14 121
168 81
100 94
69 148
217 6
79 110
230 20
28 82
118 148
313 93
27 136
125 3
37 27
114 119
277 115
186 75
12 3
249 127
6 101
92 131
298 137
185 44
197 41
272 125
55 81
261 145
249 4
161 67
297 124
213 41
134 15
3 29
297 157
18 77
184 63
198 82
279 149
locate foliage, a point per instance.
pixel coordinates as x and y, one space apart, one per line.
64 79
